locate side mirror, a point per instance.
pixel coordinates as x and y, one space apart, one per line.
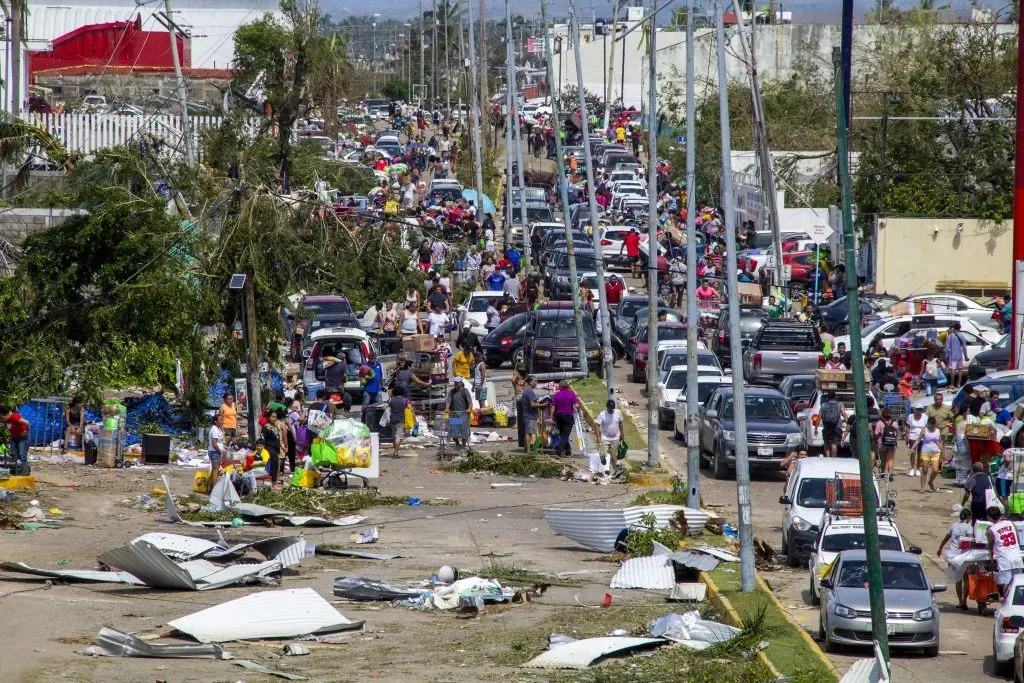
914 549
939 588
785 500
711 414
825 583
306 353
727 372
801 416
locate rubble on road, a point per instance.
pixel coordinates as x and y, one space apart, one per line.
579 654
113 643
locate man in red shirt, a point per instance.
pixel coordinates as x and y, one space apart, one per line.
614 289
632 246
18 427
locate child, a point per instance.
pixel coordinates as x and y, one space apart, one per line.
1004 478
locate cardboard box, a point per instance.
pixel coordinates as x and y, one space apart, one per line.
418 342
980 431
750 293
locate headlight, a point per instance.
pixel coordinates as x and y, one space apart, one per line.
843 611
541 353
801 524
728 435
926 614
794 439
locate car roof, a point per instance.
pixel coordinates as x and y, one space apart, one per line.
886 555
339 332
1000 374
323 298
759 391
670 323
825 467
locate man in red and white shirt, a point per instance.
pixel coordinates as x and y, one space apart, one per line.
1003 548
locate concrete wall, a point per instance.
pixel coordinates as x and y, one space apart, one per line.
17 224
913 254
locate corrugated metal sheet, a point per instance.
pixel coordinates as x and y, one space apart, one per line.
582 653
178 546
150 565
270 614
113 643
688 592
654 572
257 511
206 575
695 560
350 520
84 575
597 529
720 553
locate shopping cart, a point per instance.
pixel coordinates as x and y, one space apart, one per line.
452 429
898 406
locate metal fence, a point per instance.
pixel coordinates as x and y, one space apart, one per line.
89 133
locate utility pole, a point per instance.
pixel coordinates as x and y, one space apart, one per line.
253 384
739 404
485 96
421 55
462 61
517 126
508 130
563 190
606 325
764 154
475 118
692 317
186 128
433 55
875 593
447 62
653 395
611 65
17 17
1018 215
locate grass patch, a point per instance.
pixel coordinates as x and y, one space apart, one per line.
594 394
787 649
309 502
662 498
511 464
511 575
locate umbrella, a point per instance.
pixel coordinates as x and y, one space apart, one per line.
470 195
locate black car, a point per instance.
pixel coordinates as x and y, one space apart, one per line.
557 283
990 360
623 313
751 318
772 429
798 389
505 342
551 344
836 314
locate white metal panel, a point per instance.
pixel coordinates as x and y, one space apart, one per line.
85 575
178 546
654 572
597 528
581 653
270 614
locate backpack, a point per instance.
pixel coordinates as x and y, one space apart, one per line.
889 436
830 414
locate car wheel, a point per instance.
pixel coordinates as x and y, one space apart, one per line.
830 646
1017 678
677 435
791 558
518 358
815 598
719 467
933 651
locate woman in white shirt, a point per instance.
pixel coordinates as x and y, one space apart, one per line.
410 321
916 422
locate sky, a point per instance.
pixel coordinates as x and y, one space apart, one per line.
804 11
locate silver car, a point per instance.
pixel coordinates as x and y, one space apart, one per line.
912 617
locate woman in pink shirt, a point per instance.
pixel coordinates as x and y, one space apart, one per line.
564 402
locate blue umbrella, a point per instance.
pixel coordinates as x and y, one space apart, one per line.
470 195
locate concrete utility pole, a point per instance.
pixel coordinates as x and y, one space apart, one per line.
17 16
692 316
517 126
447 62
253 384
462 61
563 190
508 129
739 405
653 395
186 127
611 65
763 153
606 325
485 93
475 118
421 54
876 594
433 55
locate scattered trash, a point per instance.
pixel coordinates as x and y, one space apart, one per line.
598 529
113 643
222 496
356 588
692 631
270 614
415 501
63 563
296 650
556 639
730 531
145 561
688 592
259 668
607 601
447 574
720 553
580 654
7 496
446 597
619 632
654 572
505 484
470 605
365 536
355 554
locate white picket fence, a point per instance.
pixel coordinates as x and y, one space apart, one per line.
89 133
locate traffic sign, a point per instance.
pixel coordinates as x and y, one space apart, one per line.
820 233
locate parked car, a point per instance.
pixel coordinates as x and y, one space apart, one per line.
954 304
1009 384
668 330
706 385
751 320
892 328
804 503
475 310
556 271
798 389
771 429
613 249
781 348
912 616
551 344
639 320
505 343
992 359
338 342
321 322
310 307
672 390
1006 627
670 357
835 315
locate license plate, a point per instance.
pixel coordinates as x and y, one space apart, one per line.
765 451
890 629
565 364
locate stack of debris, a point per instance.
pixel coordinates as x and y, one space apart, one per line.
676 571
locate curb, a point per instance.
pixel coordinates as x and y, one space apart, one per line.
733 617
800 629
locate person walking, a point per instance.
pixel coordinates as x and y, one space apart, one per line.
833 417
531 412
975 491
397 404
458 405
956 355
271 433
887 435
215 450
930 371
930 442
564 402
411 321
916 422
959 532
480 383
1003 549
608 425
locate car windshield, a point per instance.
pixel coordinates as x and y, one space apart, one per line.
772 408
895 575
311 309
671 333
837 543
583 261
801 387
874 326
563 326
479 304
509 327
811 493
331 321
1003 343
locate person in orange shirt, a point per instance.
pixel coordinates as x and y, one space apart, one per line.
229 418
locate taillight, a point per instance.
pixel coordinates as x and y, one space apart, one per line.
757 361
606 243
995 315
1011 624
815 419
721 337
821 360
506 341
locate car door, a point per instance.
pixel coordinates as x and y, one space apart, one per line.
975 344
892 331
705 420
806 426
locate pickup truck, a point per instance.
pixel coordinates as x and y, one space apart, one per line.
782 348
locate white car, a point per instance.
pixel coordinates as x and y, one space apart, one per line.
613 245
675 356
475 311
847 533
890 329
810 417
1008 623
954 304
672 400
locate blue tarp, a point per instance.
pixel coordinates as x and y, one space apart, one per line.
470 195
46 419
225 383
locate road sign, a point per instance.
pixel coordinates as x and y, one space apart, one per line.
820 233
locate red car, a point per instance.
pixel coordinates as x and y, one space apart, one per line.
801 265
668 330
313 305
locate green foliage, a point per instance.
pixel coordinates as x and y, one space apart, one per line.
640 539
396 89
511 464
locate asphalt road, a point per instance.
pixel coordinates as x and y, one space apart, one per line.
966 637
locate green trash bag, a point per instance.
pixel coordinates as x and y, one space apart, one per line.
1015 505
